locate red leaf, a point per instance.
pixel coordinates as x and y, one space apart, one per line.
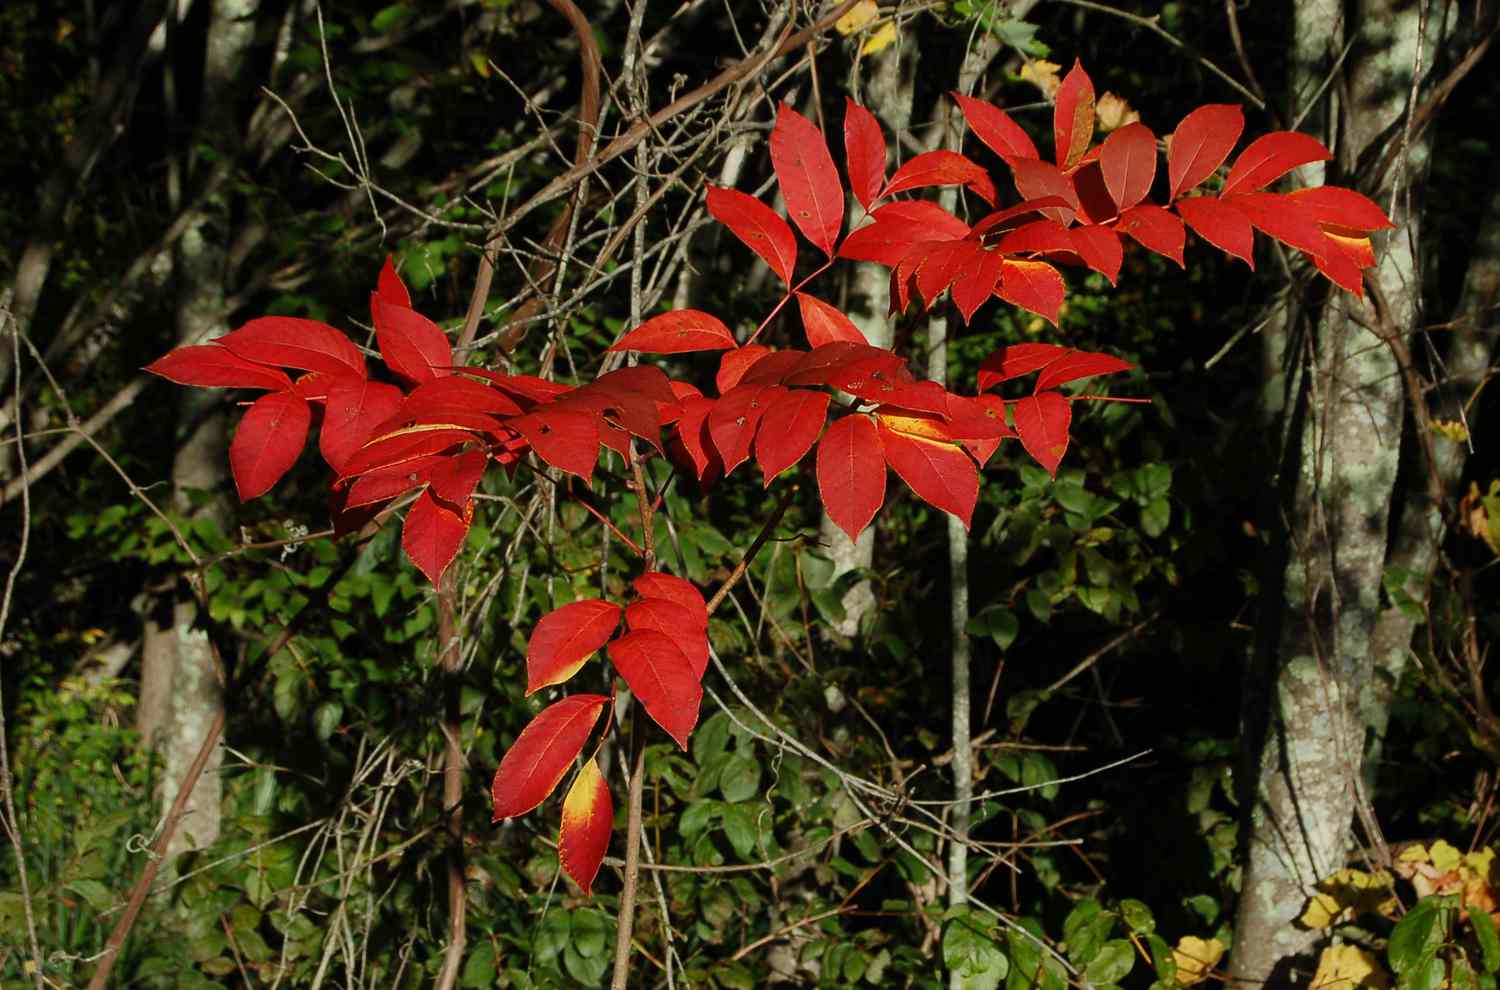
1128 161
564 638
453 393
788 430
1015 360
809 182
1033 285
1154 229
293 343
939 473
977 283
897 227
433 534
1076 365
1073 117
1097 204
1036 236
563 438
1271 156
1343 262
454 479
388 452
389 286
354 408
212 366
662 677
413 346
382 485
542 753
670 587
734 364
1277 214
678 332
824 324
678 621
1042 424
942 263
864 152
735 418
1100 249
1220 224
588 818
1200 144
941 168
836 362
1342 208
1036 179
758 226
996 129
692 434
851 473
979 417
267 442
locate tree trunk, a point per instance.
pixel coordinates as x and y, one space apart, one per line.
1343 420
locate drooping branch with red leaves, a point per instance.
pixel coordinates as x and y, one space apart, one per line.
431 429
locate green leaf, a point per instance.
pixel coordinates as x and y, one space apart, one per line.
1137 916
1414 935
740 778
95 894
1155 516
590 932
696 817
997 622
1487 937
1112 963
479 968
739 829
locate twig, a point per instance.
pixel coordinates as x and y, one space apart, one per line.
450 664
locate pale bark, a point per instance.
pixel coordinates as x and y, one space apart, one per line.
1316 643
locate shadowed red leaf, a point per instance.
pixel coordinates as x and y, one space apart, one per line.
851 473
563 438
734 364
788 430
454 479
1015 360
1128 161
433 534
662 677
542 753
1042 424
976 283
354 408
735 418
1100 249
1155 229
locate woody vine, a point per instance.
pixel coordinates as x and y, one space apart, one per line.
417 437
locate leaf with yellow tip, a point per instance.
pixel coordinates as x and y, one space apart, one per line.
588 815
1344 967
1194 957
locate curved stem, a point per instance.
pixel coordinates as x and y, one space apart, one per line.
625 924
450 662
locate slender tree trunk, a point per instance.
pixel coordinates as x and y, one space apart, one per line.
1316 643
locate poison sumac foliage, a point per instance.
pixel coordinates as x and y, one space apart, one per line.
431 432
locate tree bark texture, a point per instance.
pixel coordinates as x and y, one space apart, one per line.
1311 681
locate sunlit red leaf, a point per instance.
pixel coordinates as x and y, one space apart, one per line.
1220 224
563 438
392 451
267 442
1034 286
1277 214
1343 208
824 324
733 365
809 182
212 366
1073 117
354 408
771 369
939 473
413 346
864 152
588 815
692 433
434 399
979 417
1036 179
1015 360
735 418
1036 236
433 534
788 430
1271 156
542 753
1155 229
289 342
453 480
678 332
1200 144
1128 161
996 129
941 168
385 484
897 227
1077 365
977 283
565 637
758 226
943 263
680 622
1100 249
670 587
389 286
1042 424
662 677
851 473
1342 264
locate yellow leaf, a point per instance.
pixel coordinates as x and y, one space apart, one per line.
1451 429
884 37
858 16
1044 75
1321 911
1195 957
1481 862
1113 112
1444 856
1343 967
1415 853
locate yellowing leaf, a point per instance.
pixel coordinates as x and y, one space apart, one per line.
1444 856
1343 967
1195 957
858 16
1345 894
1415 853
1044 75
1113 112
1481 862
883 37
1452 429
1321 911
